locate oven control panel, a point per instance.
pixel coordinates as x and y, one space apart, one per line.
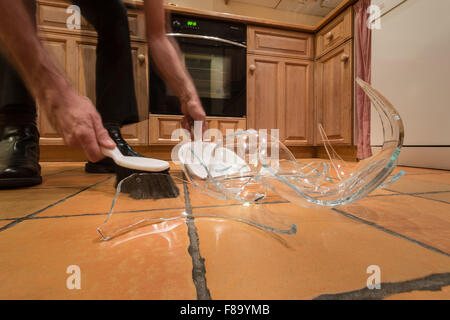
208 27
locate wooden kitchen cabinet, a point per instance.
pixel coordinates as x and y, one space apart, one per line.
280 96
334 94
76 57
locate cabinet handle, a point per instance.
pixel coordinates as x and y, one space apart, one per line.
329 36
345 57
141 58
252 68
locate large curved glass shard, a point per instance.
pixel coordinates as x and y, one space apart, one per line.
341 182
133 214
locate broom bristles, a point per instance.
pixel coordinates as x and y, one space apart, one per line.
146 185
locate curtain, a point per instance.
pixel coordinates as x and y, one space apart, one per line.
363 41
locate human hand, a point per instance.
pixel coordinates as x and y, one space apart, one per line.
78 122
193 111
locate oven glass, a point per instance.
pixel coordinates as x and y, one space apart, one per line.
218 72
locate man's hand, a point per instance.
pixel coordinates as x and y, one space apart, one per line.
79 123
193 111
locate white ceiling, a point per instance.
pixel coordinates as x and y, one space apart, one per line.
310 7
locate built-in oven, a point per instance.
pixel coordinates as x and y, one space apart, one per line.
214 53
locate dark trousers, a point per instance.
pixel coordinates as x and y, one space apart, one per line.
115 90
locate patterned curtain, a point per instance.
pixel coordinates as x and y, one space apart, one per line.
363 45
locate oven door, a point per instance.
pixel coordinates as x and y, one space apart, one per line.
218 70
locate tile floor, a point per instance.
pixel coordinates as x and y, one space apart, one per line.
403 229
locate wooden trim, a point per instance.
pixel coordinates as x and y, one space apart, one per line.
68 154
333 14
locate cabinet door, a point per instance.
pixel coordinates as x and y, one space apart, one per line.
280 96
137 134
296 127
264 92
334 95
61 50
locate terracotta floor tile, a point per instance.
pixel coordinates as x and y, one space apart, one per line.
443 294
423 220
444 196
200 199
438 178
414 171
99 200
20 203
329 254
4 223
72 178
383 192
410 184
51 168
156 266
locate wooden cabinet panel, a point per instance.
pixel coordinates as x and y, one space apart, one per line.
334 94
298 104
263 92
59 49
280 43
335 33
162 127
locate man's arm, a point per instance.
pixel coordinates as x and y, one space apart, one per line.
74 116
169 65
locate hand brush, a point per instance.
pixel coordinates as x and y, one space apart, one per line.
150 178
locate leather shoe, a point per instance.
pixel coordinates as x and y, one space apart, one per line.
107 165
19 156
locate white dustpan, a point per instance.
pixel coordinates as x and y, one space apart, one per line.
136 163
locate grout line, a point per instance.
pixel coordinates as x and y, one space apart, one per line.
19 220
433 282
57 173
418 195
198 263
372 224
140 211
398 193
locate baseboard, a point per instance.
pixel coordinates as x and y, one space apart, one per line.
433 157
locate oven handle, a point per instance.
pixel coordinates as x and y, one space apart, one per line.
196 36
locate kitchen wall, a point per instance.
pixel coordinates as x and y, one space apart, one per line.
244 9
411 67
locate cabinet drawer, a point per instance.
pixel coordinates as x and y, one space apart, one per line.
280 43
52 16
163 126
335 33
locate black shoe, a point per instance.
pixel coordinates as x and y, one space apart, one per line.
19 156
107 165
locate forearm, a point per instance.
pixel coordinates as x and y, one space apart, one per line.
170 67
20 44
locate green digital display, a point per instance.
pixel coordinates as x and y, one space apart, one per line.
192 23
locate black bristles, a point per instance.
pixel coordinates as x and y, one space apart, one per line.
146 185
